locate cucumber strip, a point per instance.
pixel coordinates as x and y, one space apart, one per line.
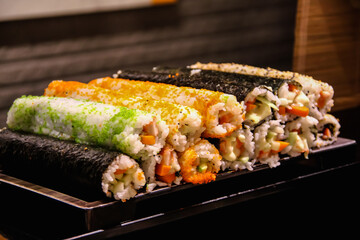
267 102
292 138
244 159
202 167
271 136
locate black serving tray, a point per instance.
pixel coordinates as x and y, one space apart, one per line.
44 210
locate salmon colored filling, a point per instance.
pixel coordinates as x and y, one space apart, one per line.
163 170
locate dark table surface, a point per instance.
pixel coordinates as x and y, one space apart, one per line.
325 206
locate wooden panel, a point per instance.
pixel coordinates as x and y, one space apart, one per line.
327 46
222 22
64 65
325 8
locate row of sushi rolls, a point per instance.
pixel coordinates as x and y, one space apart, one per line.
171 126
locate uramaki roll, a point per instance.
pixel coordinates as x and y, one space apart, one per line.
185 123
222 113
200 163
328 129
127 130
82 166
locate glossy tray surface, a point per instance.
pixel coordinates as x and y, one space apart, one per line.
99 217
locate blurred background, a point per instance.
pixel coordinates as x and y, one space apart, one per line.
80 40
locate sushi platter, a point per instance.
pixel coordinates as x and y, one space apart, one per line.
116 150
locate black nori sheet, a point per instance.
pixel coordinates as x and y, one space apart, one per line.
48 159
239 85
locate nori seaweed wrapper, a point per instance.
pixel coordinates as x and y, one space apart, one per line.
47 159
236 84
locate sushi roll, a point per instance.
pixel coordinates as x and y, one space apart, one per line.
237 150
288 103
82 166
256 92
200 163
318 93
269 142
222 113
150 167
139 134
328 130
301 135
167 170
185 123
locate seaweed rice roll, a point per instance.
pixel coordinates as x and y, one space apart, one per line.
82 166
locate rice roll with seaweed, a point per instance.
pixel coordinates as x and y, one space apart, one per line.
256 92
319 94
301 135
167 170
221 113
269 142
82 166
328 130
185 123
139 134
291 100
237 150
149 167
200 163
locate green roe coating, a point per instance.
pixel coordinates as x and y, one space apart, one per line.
78 120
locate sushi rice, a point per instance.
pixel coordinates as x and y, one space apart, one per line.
123 178
260 103
291 98
268 136
237 150
320 94
328 130
301 134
